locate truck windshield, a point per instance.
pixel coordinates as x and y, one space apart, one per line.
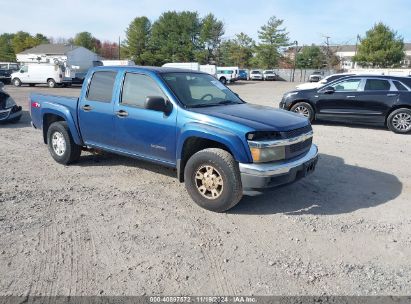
199 90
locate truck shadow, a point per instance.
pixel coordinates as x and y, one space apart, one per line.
24 122
334 188
109 159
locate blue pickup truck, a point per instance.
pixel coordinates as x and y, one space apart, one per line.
218 144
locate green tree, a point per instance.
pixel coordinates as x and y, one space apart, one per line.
85 39
136 43
311 57
40 39
6 47
175 37
243 50
211 32
382 47
272 37
22 41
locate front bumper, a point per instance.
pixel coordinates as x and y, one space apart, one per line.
10 114
259 176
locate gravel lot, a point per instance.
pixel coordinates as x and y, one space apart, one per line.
116 226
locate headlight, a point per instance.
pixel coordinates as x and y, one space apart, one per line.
288 95
10 103
264 155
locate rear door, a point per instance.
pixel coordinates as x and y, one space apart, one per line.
96 117
147 133
374 102
339 105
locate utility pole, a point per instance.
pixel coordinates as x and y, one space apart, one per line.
295 58
119 51
327 43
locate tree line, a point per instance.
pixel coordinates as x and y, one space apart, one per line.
186 37
14 43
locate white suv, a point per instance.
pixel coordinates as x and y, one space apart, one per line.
256 75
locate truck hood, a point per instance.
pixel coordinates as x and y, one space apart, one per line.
259 118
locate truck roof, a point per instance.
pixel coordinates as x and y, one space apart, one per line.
158 70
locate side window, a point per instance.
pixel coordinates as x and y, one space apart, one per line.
377 85
101 86
347 85
400 86
137 88
24 69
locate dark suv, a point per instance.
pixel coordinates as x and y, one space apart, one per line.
5 76
378 100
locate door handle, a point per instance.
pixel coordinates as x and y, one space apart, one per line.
351 96
391 95
87 108
122 113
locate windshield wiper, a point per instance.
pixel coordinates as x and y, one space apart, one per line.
226 102
203 105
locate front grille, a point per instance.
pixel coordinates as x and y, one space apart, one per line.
296 132
298 148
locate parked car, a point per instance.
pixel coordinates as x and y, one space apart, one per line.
316 76
256 75
225 76
9 66
218 144
50 74
243 75
9 111
5 76
378 100
269 75
323 82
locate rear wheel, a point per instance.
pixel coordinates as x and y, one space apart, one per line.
213 180
304 109
399 121
61 144
16 82
51 83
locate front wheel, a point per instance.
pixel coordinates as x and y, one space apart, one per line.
399 121
16 82
61 144
223 80
212 179
304 109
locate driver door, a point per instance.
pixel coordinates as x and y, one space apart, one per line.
143 132
339 103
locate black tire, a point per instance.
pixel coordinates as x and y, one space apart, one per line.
16 82
305 109
72 151
226 167
395 126
51 83
223 80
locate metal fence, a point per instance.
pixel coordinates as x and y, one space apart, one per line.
300 75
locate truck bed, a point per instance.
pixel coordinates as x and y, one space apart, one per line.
45 103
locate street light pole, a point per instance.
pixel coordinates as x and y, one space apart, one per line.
295 58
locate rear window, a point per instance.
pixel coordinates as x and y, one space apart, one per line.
101 86
377 85
400 86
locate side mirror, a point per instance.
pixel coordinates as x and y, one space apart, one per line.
329 90
158 103
21 71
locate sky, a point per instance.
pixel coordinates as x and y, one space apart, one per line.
306 21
